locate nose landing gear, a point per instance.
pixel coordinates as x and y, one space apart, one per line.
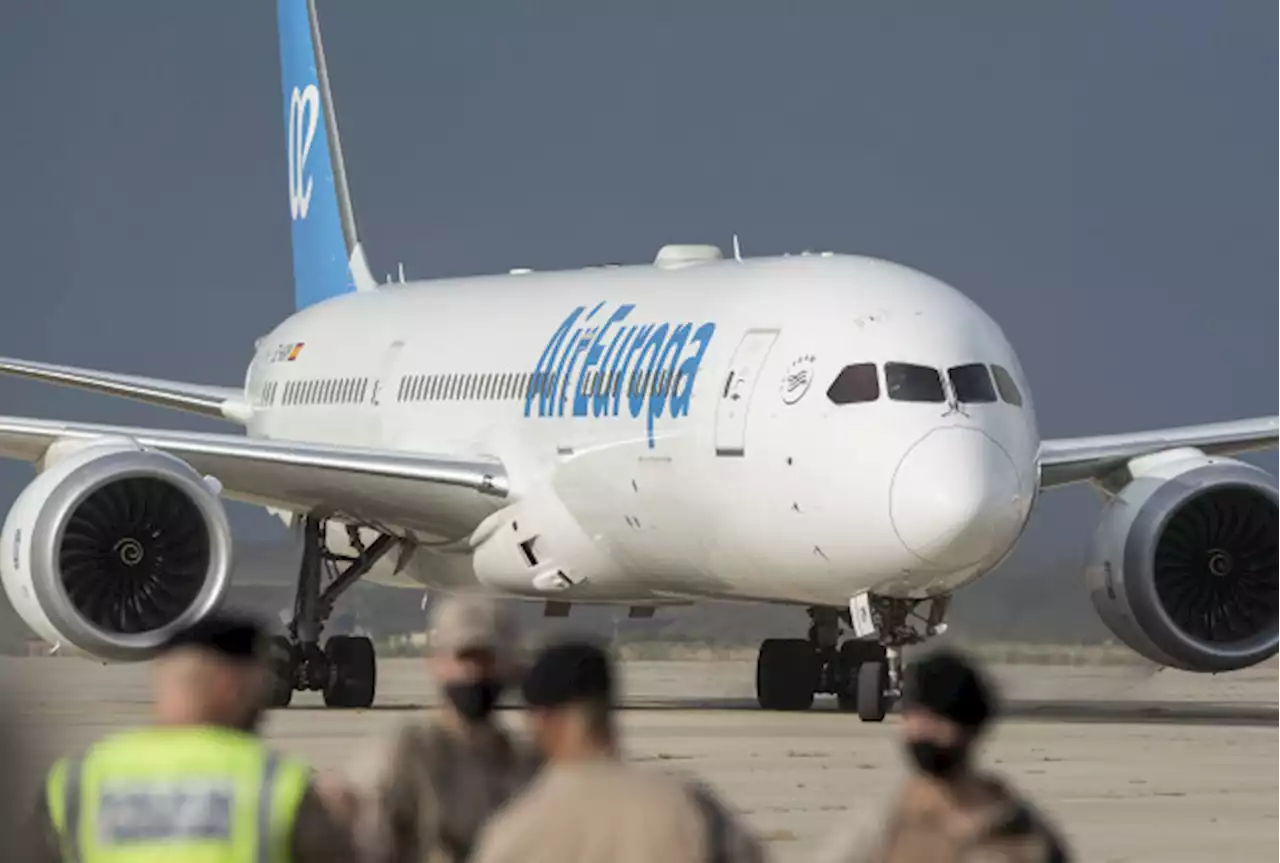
864 672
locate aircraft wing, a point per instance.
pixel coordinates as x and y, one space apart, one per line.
1067 460
447 496
220 402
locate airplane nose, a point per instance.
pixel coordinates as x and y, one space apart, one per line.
955 497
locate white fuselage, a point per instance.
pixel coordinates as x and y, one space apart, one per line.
758 487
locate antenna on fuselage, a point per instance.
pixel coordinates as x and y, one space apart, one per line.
737 249
401 272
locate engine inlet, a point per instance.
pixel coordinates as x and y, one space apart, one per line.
134 555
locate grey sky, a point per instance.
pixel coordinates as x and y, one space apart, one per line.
1097 175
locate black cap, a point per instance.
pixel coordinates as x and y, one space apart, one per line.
232 636
568 672
947 684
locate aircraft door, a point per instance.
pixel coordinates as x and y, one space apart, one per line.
739 385
383 397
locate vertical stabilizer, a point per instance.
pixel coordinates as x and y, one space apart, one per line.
327 257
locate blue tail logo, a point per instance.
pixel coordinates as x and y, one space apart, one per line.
304 117
327 260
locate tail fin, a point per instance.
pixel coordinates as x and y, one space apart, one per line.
327 257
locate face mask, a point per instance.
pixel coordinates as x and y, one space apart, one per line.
935 760
473 699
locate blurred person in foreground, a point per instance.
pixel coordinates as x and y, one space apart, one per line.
948 809
425 791
16 746
587 805
199 784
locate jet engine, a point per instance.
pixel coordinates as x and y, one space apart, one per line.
112 547
1183 565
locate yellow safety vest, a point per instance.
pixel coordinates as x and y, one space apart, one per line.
179 795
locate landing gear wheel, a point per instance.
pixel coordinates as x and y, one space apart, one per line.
787 674
353 672
873 691
851 656
280 663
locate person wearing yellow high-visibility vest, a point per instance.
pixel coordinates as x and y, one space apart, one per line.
199 786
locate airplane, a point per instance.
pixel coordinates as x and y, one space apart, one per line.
840 433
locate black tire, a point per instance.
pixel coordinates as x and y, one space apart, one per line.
873 697
853 653
787 672
281 664
353 672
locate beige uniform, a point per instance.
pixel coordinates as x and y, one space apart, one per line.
992 825
429 789
607 810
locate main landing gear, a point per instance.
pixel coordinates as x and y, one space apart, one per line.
345 669
865 672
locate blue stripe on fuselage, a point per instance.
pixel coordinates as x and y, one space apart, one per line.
655 364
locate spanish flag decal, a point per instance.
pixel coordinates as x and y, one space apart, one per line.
293 352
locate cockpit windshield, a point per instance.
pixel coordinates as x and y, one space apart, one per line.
855 383
971 383
1008 389
906 382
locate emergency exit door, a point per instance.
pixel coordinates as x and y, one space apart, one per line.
384 395
735 393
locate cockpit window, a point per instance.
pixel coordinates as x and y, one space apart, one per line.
1006 387
971 383
855 383
910 383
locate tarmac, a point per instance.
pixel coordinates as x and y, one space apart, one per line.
1130 763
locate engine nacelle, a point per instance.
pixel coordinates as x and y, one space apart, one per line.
1183 565
113 547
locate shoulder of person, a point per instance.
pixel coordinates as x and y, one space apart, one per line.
507 833
1023 820
390 758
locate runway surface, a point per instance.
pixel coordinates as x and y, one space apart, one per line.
1132 765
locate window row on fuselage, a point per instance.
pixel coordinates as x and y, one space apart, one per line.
972 383
515 385
315 391
464 387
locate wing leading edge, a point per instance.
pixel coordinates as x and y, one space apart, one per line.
444 495
222 402
1067 460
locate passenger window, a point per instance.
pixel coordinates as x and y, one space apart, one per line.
1006 387
906 382
971 383
855 383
